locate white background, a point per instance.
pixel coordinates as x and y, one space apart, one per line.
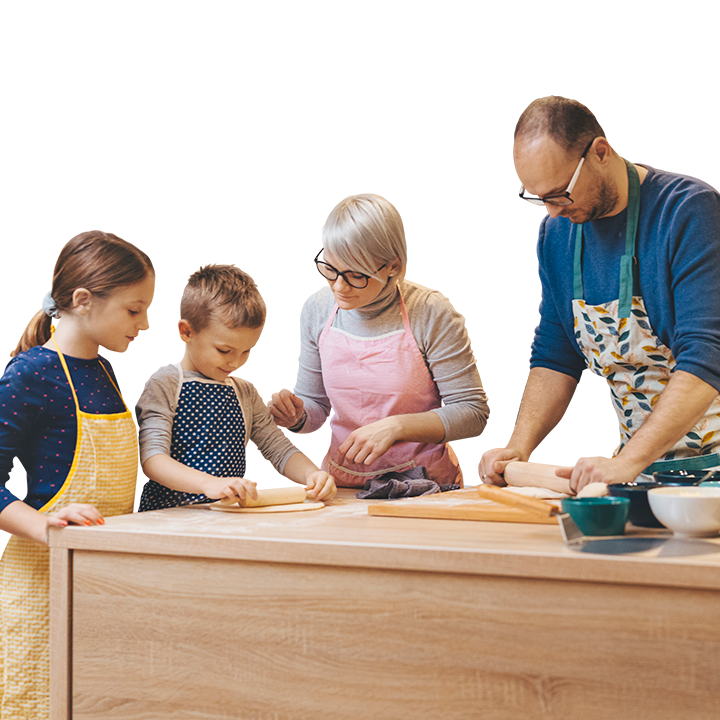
79 101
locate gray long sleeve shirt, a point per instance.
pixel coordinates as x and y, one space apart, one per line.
439 331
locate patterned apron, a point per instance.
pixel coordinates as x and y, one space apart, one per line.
620 345
368 379
208 434
103 474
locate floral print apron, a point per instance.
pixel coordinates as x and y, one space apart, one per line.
619 344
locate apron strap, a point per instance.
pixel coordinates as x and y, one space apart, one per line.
628 260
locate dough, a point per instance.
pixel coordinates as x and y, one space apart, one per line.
270 496
596 489
293 507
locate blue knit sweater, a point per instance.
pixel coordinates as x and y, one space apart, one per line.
678 249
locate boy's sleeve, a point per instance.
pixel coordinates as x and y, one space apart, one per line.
268 437
155 411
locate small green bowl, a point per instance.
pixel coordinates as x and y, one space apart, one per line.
598 515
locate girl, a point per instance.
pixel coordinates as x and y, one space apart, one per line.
62 415
390 357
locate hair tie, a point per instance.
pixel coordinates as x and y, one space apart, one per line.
50 307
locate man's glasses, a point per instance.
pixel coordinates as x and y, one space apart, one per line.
353 279
564 198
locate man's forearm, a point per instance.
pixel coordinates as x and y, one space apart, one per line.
545 400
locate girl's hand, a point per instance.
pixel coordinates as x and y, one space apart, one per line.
286 408
366 444
321 486
233 488
76 513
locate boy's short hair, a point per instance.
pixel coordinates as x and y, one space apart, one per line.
223 293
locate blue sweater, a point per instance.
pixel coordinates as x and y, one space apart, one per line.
38 422
678 250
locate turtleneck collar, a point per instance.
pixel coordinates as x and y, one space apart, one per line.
387 297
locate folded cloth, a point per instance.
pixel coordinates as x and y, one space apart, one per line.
409 483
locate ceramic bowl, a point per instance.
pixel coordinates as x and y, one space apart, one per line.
687 511
640 513
710 483
598 515
685 477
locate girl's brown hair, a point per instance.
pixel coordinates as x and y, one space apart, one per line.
97 261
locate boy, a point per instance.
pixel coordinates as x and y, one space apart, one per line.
195 420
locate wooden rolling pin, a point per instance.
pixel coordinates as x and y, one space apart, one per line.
271 496
526 474
491 492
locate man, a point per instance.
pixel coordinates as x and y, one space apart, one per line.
630 269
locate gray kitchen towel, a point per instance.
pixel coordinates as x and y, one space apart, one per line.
395 485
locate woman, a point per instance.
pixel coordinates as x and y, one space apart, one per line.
390 357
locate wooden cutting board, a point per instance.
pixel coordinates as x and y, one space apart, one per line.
456 505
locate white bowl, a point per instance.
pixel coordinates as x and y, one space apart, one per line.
687 511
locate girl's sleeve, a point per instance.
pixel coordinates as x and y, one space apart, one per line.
20 407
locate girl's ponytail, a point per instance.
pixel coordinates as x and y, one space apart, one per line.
36 333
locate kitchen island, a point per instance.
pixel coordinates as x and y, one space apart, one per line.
335 614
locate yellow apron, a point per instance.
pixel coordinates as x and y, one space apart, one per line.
103 474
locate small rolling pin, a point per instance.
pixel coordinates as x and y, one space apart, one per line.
490 492
271 496
526 474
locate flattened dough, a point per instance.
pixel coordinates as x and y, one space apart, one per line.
293 507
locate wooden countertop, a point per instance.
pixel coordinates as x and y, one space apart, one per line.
343 534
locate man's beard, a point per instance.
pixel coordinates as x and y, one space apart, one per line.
603 203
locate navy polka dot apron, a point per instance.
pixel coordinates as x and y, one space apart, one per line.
208 434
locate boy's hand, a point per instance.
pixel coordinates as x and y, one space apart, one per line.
286 408
320 486
232 488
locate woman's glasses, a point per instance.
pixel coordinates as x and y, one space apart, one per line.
353 279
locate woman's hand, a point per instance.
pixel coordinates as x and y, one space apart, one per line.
233 488
286 408
366 444
321 486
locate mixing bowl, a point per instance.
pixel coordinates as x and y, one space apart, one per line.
598 515
640 513
685 477
687 511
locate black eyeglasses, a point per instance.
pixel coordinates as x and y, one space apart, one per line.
565 198
353 279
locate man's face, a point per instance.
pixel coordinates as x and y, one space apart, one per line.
545 169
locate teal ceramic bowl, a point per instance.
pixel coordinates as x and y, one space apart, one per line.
598 515
710 483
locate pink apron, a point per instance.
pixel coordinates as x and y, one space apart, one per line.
368 379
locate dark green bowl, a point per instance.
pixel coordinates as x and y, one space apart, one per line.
598 515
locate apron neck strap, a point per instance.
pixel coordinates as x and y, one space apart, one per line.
627 261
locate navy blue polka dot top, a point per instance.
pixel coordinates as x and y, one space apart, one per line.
38 422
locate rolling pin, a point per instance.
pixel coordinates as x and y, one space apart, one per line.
491 492
526 474
271 496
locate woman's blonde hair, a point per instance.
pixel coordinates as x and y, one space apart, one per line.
97 261
364 232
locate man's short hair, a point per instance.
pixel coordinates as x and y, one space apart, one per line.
569 123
